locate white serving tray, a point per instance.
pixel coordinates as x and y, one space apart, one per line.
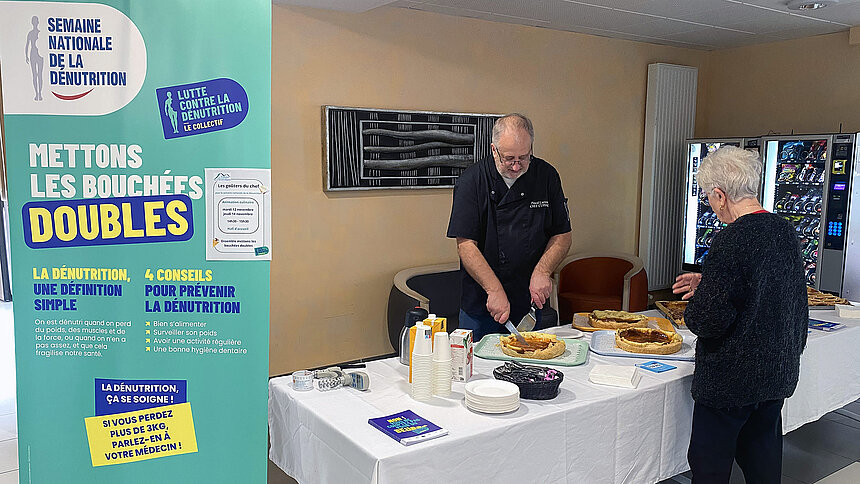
603 343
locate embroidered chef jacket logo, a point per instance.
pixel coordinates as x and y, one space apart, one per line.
539 204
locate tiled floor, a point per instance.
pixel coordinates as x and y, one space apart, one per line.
8 417
822 452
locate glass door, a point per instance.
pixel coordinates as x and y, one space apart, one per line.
795 172
700 222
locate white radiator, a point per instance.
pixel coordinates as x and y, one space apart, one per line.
670 118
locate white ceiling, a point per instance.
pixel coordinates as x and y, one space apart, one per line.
697 24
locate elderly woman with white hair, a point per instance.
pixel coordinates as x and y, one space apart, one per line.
749 310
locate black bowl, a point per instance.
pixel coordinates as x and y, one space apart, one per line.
532 390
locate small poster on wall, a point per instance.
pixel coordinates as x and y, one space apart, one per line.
238 214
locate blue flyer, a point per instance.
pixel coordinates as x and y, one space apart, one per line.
656 366
824 325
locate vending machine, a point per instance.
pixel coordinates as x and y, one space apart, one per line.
808 180
700 221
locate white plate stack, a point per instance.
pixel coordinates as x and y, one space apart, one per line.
441 367
492 396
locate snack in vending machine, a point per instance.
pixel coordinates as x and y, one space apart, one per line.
704 237
801 175
798 204
787 173
819 150
701 259
817 173
789 151
780 204
810 274
810 251
809 206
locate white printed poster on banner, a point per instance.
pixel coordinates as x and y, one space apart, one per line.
238 214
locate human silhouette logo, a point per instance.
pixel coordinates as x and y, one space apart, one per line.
32 56
170 112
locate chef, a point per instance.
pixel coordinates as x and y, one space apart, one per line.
512 226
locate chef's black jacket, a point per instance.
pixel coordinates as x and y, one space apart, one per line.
511 226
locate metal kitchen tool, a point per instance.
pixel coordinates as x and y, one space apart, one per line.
529 320
516 333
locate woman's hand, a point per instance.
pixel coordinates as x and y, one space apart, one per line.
686 283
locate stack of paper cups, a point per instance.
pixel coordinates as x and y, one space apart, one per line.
442 375
422 359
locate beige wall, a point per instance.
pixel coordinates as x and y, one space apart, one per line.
807 85
336 254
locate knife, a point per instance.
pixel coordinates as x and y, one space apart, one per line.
516 333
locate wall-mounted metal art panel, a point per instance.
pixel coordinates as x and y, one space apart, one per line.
378 148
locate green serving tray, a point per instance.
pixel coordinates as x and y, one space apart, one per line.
575 352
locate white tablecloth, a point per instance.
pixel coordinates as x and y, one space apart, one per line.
589 433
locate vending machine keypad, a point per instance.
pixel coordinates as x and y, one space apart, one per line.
837 202
834 228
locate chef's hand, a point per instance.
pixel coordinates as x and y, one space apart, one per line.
540 288
686 283
498 306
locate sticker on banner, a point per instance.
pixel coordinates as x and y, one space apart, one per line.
120 396
201 107
107 221
79 59
141 435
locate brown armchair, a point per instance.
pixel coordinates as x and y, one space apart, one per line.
592 281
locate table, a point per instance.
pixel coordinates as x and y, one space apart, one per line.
589 433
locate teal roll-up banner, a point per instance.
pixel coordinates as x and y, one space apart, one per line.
138 156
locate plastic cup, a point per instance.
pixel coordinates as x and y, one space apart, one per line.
442 377
303 380
423 345
442 370
422 379
441 346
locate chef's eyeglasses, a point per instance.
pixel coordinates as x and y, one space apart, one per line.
510 160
